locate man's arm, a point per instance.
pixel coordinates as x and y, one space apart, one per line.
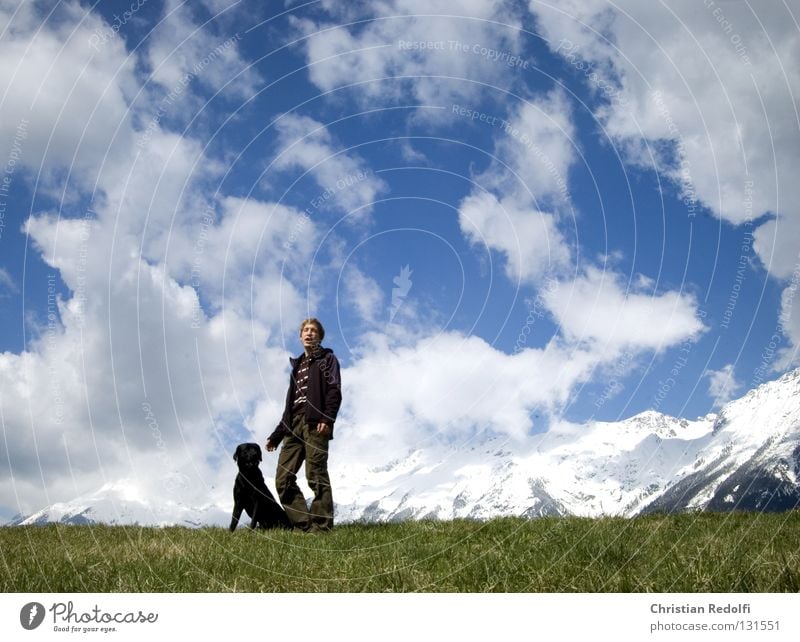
332 385
333 388
275 438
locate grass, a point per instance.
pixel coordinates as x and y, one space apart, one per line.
724 552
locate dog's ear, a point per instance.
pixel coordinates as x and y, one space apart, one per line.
236 454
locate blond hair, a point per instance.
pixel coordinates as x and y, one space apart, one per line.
315 322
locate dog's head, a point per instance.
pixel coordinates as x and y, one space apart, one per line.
247 456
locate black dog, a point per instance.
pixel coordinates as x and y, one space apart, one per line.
251 494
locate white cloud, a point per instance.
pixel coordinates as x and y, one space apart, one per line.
722 384
68 99
726 83
529 170
344 179
411 155
537 143
132 379
599 308
19 16
162 181
446 386
382 58
776 243
7 284
593 308
451 386
179 46
362 293
145 199
216 6
528 239
790 322
245 255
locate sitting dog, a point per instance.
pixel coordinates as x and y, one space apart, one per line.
251 494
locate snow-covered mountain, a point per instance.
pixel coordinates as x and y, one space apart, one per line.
745 457
123 502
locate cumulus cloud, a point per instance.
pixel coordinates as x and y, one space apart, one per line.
364 294
790 322
529 240
775 242
452 386
389 57
245 255
133 367
537 143
164 349
689 76
703 92
515 207
344 178
181 47
534 152
599 308
70 100
122 387
722 384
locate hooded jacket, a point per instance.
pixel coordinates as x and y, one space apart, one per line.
323 397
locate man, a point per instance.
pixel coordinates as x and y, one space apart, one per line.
306 427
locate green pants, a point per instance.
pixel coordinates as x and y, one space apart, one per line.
304 444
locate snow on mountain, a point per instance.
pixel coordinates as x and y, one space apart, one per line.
613 468
745 457
473 481
598 469
752 459
122 503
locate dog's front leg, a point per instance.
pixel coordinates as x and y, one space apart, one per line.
237 513
254 521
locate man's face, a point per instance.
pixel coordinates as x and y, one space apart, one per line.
309 336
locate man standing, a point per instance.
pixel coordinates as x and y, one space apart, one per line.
306 427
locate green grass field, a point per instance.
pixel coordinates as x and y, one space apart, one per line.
730 552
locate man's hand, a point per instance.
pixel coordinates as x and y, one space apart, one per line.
324 429
270 446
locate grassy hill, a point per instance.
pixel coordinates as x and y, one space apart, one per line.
723 552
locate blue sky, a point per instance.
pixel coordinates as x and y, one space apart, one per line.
509 216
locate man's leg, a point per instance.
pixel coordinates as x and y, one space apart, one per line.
289 461
318 480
